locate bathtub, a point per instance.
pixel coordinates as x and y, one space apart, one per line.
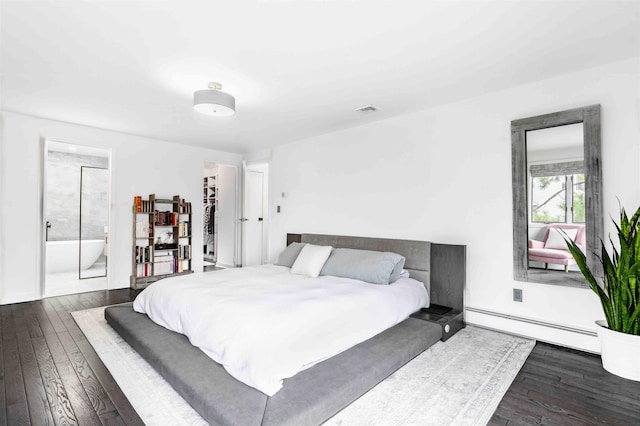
62 256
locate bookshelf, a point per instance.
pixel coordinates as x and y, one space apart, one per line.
162 232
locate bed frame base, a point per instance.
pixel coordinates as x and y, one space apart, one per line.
309 398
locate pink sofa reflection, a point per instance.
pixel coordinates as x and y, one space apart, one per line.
549 250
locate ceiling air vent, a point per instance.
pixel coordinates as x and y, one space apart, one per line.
367 109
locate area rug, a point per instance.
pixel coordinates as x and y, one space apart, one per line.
460 382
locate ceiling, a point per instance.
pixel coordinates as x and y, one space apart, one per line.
297 69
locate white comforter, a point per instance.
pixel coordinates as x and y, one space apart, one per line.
264 324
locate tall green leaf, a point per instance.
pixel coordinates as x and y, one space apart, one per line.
620 292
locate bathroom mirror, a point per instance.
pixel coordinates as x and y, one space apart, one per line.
557 183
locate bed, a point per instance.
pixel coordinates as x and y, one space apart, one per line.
315 394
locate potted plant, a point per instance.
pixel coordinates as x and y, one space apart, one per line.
620 298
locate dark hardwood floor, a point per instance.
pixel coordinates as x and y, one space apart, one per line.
50 375
560 386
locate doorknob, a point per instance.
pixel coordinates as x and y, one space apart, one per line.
48 226
260 219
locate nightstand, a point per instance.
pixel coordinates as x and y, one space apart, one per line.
451 321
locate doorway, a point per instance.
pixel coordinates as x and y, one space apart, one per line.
76 214
255 218
219 200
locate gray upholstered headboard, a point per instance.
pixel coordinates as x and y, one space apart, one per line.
441 267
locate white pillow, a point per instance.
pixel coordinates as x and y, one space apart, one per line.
555 239
311 260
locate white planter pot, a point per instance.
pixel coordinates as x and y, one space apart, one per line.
620 352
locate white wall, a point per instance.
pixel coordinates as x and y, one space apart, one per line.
444 175
139 166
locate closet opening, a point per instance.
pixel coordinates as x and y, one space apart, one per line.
219 216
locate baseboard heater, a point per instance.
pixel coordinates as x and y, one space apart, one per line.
532 321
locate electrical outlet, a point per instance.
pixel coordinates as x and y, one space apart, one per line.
517 295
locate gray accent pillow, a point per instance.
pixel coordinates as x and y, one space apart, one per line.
375 267
289 254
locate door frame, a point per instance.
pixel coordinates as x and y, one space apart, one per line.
41 255
237 206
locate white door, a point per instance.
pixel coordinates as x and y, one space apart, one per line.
253 219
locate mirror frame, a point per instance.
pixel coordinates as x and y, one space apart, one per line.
590 118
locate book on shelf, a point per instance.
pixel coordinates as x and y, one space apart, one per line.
184 229
184 252
142 206
163 268
143 270
183 265
166 263
163 263
163 256
165 218
143 230
184 207
143 254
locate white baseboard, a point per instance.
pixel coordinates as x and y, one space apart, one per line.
557 334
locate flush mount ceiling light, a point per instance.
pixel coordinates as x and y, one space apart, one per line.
213 101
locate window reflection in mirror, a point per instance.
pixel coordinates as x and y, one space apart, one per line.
556 188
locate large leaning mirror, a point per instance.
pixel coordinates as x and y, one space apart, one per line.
557 191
